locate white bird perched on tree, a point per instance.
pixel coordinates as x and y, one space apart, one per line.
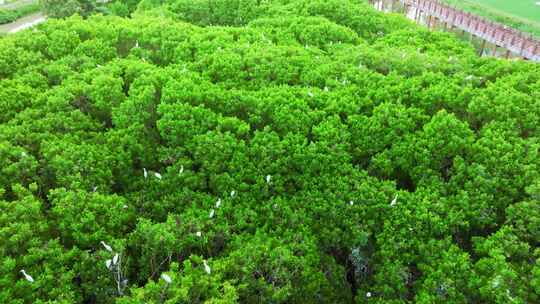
108 264
212 213
107 247
157 175
233 193
394 201
166 278
181 169
206 267
268 179
218 203
27 276
351 203
145 173
310 94
198 234
368 294
115 259
137 44
326 89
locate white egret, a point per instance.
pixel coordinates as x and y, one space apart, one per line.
326 89
108 264
198 234
107 247
212 212
157 175
181 169
268 179
394 201
368 294
206 267
115 259
351 203
166 278
469 77
310 94
27 276
233 193
137 44
145 173
218 203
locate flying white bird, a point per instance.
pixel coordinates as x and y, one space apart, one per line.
218 203
145 173
27 276
107 247
268 178
115 259
166 278
181 169
394 201
157 175
212 213
206 267
233 193
108 264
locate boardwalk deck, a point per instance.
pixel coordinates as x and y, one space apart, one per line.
513 40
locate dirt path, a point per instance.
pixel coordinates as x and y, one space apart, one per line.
23 23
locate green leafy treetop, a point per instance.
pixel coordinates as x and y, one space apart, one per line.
242 151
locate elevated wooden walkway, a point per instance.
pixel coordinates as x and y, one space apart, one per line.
510 39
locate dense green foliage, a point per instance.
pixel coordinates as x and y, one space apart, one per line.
66 8
301 151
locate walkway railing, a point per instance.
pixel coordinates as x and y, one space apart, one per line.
498 34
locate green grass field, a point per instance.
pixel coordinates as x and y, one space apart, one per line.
522 9
523 15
